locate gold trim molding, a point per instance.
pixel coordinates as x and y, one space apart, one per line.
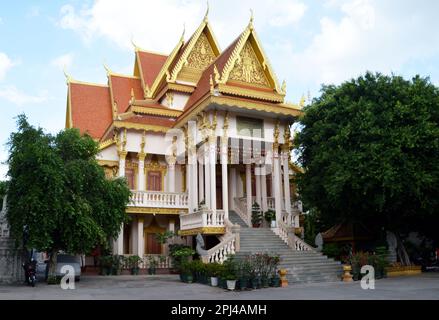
149 210
202 230
156 111
140 126
269 96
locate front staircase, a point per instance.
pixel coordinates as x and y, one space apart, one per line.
303 266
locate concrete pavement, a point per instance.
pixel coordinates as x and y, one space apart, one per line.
425 287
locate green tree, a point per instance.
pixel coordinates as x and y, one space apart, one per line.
3 186
58 194
370 150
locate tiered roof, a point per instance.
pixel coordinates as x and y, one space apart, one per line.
241 75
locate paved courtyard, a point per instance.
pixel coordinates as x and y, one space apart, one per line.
425 286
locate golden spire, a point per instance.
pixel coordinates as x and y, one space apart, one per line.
211 84
133 98
251 19
302 101
107 69
284 87
207 12
68 77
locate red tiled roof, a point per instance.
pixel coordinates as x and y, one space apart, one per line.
121 87
150 65
151 120
91 108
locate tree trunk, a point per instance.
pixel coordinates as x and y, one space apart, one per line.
52 264
401 252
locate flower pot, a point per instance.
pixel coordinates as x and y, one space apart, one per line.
264 282
275 282
242 283
214 281
273 224
231 284
255 282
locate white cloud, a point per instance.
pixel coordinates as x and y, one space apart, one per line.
17 97
155 24
62 62
371 35
5 64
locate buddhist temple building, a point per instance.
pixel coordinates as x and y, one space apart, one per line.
200 134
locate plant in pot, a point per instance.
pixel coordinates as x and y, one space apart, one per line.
231 281
265 269
186 272
152 265
270 217
105 263
180 254
243 274
117 264
133 263
256 215
275 279
213 270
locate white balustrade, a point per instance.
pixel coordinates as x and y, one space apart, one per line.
286 233
241 209
157 199
221 251
201 219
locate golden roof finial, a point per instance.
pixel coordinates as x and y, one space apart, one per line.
107 69
211 84
284 87
68 77
251 19
133 98
207 12
136 48
184 31
302 101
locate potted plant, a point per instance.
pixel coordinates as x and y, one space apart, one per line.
231 281
180 253
133 263
152 265
106 263
256 215
117 264
214 271
270 217
185 272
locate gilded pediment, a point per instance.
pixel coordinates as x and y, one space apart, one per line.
248 68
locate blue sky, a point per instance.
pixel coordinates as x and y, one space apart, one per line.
308 43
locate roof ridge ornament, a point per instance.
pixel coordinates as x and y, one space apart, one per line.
68 77
107 69
207 12
251 19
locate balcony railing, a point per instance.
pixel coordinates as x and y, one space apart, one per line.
201 219
158 199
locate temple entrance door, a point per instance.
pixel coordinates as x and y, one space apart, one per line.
152 246
154 181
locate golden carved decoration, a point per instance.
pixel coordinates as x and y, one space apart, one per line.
276 136
203 230
170 98
106 144
248 68
140 126
156 111
202 54
133 98
262 95
147 210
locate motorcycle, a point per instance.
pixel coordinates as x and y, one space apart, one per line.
30 272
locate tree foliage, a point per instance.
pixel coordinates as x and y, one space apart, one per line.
3 187
370 150
59 193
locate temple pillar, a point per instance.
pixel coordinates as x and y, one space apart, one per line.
118 245
258 185
207 175
224 177
171 177
212 166
286 177
141 174
133 237
277 186
201 196
264 189
140 238
248 189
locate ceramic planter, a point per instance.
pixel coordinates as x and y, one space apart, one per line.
231 284
214 281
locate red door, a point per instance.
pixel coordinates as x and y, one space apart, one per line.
152 246
154 181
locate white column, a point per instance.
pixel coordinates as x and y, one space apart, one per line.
258 185
189 184
286 183
201 183
207 175
171 177
133 237
233 183
277 189
212 166
141 173
224 176
248 187
264 188
119 242
140 238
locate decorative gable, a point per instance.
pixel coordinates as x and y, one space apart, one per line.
248 69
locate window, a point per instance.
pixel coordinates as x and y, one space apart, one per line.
250 127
